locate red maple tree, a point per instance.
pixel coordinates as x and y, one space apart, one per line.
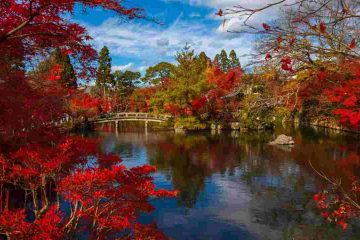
36 158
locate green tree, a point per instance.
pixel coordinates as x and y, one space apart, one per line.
124 85
217 59
203 58
188 81
234 60
104 78
156 74
224 61
125 82
57 57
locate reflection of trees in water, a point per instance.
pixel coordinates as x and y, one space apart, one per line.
281 182
191 159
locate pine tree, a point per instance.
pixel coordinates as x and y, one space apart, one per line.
104 78
217 59
234 60
224 61
125 82
204 59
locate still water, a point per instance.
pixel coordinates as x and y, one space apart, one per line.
235 186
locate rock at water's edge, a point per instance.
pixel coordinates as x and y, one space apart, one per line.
283 140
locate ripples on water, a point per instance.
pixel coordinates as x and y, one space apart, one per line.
235 186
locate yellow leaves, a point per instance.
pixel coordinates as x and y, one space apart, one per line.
291 85
269 75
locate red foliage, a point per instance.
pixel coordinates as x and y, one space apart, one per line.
286 64
84 104
111 198
198 104
266 27
352 44
292 41
31 26
334 208
34 153
322 27
173 109
268 56
140 99
222 84
346 96
322 76
46 227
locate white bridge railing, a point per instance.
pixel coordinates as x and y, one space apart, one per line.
131 116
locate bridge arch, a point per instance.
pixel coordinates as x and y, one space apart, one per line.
131 116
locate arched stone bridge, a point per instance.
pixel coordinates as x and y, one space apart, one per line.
131 116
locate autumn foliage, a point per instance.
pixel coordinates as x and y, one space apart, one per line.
55 186
338 207
345 95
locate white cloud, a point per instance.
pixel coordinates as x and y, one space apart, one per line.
234 22
122 67
150 44
217 4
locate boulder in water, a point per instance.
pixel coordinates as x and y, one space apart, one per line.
283 140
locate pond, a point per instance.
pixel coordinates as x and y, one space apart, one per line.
234 185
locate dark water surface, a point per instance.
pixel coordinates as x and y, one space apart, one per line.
235 186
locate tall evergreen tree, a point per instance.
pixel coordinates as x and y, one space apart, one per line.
234 60
104 78
67 77
203 58
224 61
217 59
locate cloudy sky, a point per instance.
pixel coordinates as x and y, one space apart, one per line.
138 44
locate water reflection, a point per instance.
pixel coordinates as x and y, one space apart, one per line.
236 186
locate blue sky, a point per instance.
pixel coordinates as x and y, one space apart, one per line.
138 44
